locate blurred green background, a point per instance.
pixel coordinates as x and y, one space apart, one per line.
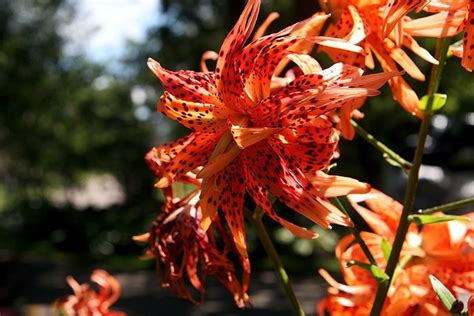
74 130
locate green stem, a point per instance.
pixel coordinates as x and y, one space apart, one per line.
381 146
448 207
275 258
435 78
355 232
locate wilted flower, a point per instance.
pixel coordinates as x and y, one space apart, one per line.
88 302
445 250
185 254
360 22
250 138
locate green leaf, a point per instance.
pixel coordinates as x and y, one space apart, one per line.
386 248
445 296
390 161
376 272
439 100
433 219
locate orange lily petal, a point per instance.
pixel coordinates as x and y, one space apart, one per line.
410 43
311 27
185 84
443 24
331 186
207 55
353 289
209 199
402 92
306 156
345 28
468 40
230 50
262 201
142 237
306 63
384 217
444 239
401 58
232 202
316 129
185 155
358 32
263 27
395 10
219 162
194 115
245 137
290 187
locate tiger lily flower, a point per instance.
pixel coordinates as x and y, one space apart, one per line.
178 244
382 213
360 22
250 139
88 302
445 250
451 18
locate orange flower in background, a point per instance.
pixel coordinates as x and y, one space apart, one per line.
86 301
360 22
382 213
185 254
250 138
451 18
445 250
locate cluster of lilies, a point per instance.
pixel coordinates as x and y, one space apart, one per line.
265 125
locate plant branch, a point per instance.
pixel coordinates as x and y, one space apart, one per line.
448 207
355 232
381 146
275 258
441 49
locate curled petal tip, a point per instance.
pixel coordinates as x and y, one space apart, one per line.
146 257
153 65
151 61
142 237
163 183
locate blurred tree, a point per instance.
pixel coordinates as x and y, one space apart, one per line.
63 119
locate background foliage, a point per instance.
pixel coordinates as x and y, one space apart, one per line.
66 121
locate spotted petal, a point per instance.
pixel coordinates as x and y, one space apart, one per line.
289 186
228 80
186 84
185 154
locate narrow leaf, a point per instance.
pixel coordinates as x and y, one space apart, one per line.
386 248
445 296
439 100
433 219
376 272
391 161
